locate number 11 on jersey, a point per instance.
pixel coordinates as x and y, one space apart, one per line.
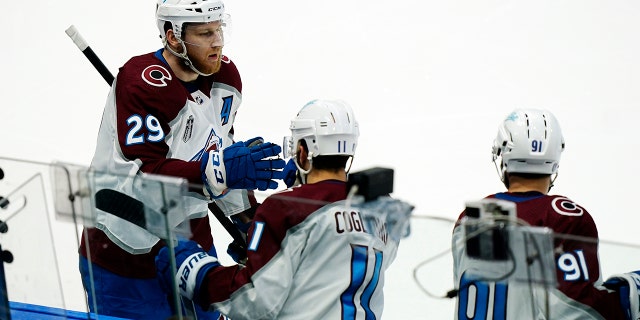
359 278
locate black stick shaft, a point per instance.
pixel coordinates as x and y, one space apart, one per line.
97 63
73 33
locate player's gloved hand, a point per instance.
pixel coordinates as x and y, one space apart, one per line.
238 252
248 167
241 225
242 165
628 286
192 263
290 173
236 249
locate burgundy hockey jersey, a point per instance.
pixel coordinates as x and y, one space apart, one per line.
155 123
578 295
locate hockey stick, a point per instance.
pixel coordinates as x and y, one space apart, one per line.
122 206
97 63
73 33
131 209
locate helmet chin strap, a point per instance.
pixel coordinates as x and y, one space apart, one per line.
302 172
184 57
501 173
553 179
349 163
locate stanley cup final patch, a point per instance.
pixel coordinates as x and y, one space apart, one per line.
188 129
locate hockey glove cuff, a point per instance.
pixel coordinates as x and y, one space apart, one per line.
192 263
214 174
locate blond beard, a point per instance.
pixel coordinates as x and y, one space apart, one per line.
208 68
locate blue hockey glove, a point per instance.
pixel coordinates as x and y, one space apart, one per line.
290 173
242 165
248 168
628 286
237 249
192 263
238 252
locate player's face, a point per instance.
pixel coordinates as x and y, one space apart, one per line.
204 45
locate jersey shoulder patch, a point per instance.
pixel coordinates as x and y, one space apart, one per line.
156 75
146 70
145 85
564 206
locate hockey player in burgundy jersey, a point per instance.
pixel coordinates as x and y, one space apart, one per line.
528 147
170 112
309 255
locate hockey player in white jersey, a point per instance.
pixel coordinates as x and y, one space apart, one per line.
527 150
170 112
309 255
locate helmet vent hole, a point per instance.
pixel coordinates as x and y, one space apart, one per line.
324 124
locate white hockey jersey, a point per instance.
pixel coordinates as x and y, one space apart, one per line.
155 123
311 256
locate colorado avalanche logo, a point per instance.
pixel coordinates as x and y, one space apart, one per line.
214 142
156 75
566 207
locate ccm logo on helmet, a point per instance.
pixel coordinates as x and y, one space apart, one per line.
215 8
156 75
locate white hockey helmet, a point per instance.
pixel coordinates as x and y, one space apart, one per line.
179 12
528 141
329 127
